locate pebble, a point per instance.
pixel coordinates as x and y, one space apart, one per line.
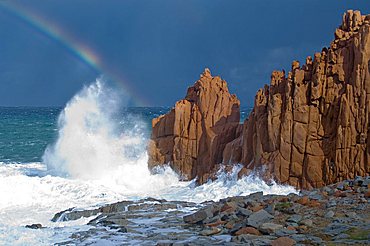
306 222
283 241
285 232
329 214
210 232
295 218
351 215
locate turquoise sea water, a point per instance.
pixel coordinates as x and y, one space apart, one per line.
25 132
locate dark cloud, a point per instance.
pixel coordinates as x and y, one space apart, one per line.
160 47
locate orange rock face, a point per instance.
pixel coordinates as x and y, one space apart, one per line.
192 136
310 127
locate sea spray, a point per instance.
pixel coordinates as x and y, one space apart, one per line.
85 135
96 143
93 144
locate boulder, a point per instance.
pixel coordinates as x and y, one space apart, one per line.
258 218
198 216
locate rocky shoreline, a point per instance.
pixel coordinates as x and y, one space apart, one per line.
309 129
333 215
337 214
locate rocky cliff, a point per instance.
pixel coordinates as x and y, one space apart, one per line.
192 136
308 128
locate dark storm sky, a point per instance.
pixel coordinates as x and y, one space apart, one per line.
160 47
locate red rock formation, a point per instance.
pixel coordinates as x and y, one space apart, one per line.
310 127
192 136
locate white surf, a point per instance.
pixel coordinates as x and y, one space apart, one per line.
96 160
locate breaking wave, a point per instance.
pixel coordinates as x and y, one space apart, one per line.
99 157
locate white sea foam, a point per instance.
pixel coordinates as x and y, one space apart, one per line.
95 161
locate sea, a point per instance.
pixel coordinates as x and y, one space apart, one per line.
90 152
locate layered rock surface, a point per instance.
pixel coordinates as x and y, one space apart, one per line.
308 128
192 136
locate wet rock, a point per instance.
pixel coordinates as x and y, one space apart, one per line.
341 236
74 213
314 240
329 214
270 228
237 225
59 216
244 212
306 222
341 186
334 229
247 230
34 226
359 181
258 218
285 232
342 220
198 216
112 221
257 196
247 239
164 243
352 215
366 181
283 241
315 195
209 232
295 218
367 195
304 200
270 209
332 203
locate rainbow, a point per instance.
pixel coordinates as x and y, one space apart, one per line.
71 44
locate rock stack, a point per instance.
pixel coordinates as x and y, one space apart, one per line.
308 128
192 136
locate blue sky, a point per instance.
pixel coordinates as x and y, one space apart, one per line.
156 49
